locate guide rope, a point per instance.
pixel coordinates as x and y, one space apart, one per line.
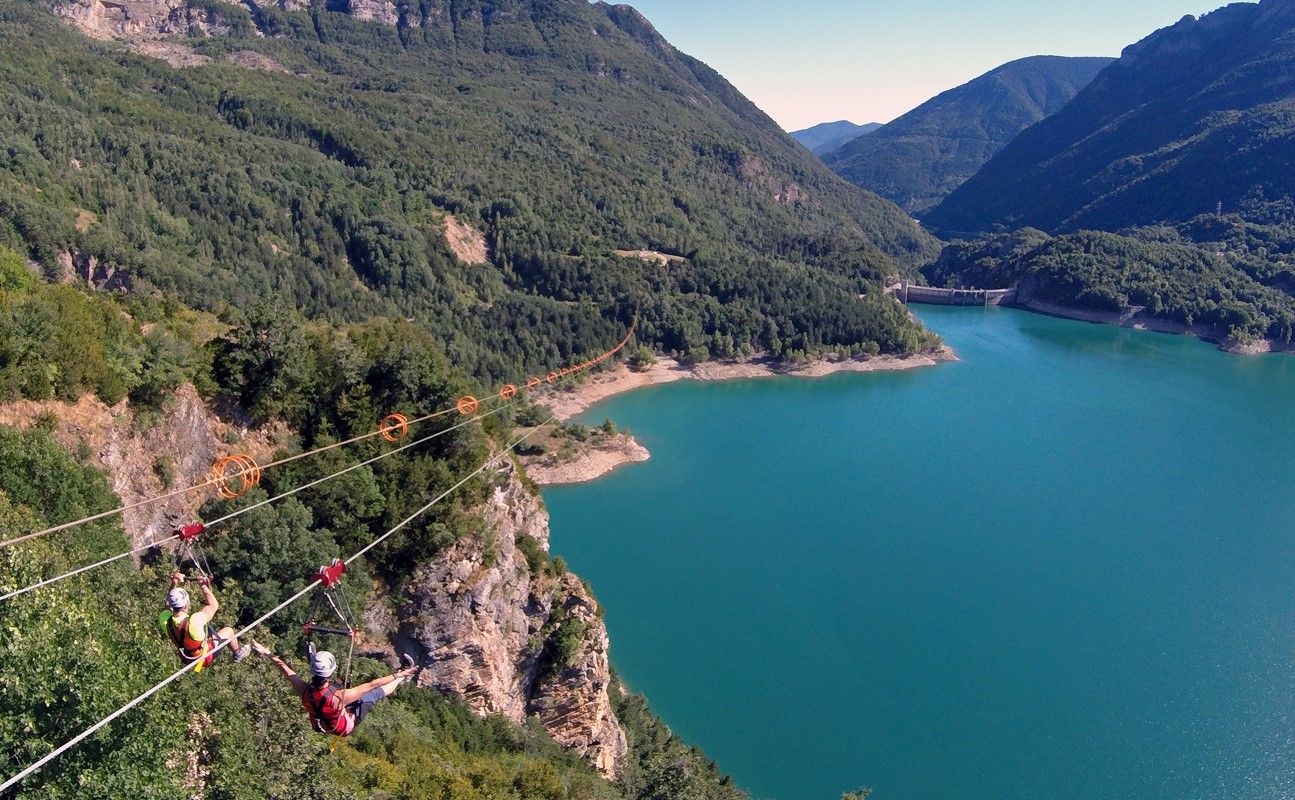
249 472
83 735
254 506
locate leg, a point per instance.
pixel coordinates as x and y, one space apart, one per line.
236 652
390 688
227 634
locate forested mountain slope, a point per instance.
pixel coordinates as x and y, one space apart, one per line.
559 131
1196 118
825 137
919 158
234 731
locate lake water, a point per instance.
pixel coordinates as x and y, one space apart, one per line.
1063 567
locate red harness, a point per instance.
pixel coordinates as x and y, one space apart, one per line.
326 711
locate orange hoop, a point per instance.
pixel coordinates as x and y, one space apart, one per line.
532 383
508 392
394 427
552 377
248 475
468 405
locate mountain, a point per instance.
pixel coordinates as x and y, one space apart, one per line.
479 167
1196 118
919 158
828 136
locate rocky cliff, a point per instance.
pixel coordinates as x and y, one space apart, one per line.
145 458
495 622
513 636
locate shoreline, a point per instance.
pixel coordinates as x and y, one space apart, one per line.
591 460
602 386
599 456
1138 319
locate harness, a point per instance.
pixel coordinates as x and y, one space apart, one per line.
191 649
327 714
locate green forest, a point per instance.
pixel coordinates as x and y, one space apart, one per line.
326 189
71 653
1227 272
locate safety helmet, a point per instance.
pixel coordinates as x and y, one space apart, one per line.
323 664
177 599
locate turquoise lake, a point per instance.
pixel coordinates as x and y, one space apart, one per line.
1062 567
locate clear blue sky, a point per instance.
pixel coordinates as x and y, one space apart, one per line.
810 61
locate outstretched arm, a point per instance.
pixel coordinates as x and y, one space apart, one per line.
298 685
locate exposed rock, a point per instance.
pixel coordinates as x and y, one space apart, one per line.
466 242
173 53
572 462
250 59
656 256
189 436
483 620
383 11
73 267
570 699
116 19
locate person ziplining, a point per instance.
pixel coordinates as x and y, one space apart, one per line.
193 633
332 709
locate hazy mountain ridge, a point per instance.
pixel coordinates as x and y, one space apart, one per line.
825 137
919 158
1195 116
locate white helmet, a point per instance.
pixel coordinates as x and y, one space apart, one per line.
177 599
323 664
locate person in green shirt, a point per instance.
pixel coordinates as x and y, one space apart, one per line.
193 633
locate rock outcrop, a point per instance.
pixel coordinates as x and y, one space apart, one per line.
144 461
117 19
511 638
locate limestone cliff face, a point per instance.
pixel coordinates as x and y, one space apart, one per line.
513 642
144 461
140 18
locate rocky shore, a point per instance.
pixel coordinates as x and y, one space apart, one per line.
567 404
1137 318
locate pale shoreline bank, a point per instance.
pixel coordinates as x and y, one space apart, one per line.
1138 319
598 458
601 386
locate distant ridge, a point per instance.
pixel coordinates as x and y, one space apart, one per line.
825 137
1195 116
919 158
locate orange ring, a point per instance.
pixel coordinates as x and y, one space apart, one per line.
468 405
394 427
551 377
532 383
248 475
508 392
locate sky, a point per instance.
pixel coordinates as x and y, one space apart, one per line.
811 61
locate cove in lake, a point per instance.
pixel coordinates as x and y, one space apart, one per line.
1059 568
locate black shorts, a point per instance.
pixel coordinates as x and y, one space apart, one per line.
360 708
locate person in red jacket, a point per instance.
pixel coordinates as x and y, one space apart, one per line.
332 709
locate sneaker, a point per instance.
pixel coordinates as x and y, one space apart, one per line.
242 653
408 667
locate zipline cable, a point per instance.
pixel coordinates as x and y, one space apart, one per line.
254 506
465 406
83 735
